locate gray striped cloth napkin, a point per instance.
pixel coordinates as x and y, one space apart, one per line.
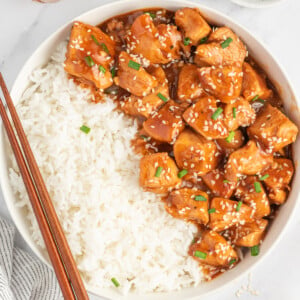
22 276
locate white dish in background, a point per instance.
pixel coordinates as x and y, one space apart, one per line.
263 58
257 3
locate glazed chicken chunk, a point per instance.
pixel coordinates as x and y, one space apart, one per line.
247 235
224 48
254 85
212 249
165 124
188 204
195 153
277 178
273 129
89 55
225 83
189 86
251 191
225 213
158 173
194 27
159 45
234 141
248 160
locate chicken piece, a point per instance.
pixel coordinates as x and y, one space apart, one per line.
212 249
217 183
145 106
89 55
251 192
224 213
193 25
195 153
214 54
189 87
248 160
239 113
277 179
225 83
248 235
254 84
166 124
229 144
159 45
201 117
188 204
133 77
158 173
273 129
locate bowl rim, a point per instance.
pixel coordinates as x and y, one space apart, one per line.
247 3
4 179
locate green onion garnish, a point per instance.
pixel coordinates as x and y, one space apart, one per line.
162 97
171 47
255 250
104 48
226 181
261 101
239 205
89 61
202 41
182 173
158 171
255 98
134 65
152 15
257 187
102 69
200 198
234 112
262 178
113 72
85 129
145 138
230 137
226 43
232 261
95 39
200 254
212 210
217 113
186 41
115 282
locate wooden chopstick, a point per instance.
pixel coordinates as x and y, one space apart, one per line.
58 249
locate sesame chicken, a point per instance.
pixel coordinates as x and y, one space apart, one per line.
212 249
158 173
194 27
195 153
272 129
225 83
188 204
230 145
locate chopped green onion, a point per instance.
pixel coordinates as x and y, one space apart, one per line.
212 210
257 187
200 254
104 47
102 69
152 15
202 41
261 101
95 39
217 113
162 97
226 43
230 137
226 181
234 112
171 47
186 41
262 178
239 205
158 171
200 198
255 250
255 98
145 138
134 65
232 261
182 173
89 61
113 72
85 129
115 282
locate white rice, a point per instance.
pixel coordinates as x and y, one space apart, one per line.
113 227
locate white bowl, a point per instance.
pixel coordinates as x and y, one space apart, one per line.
261 55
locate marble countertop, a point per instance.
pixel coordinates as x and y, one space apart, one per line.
25 24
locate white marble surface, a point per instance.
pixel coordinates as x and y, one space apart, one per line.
25 24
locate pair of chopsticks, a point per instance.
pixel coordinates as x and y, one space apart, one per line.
58 249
